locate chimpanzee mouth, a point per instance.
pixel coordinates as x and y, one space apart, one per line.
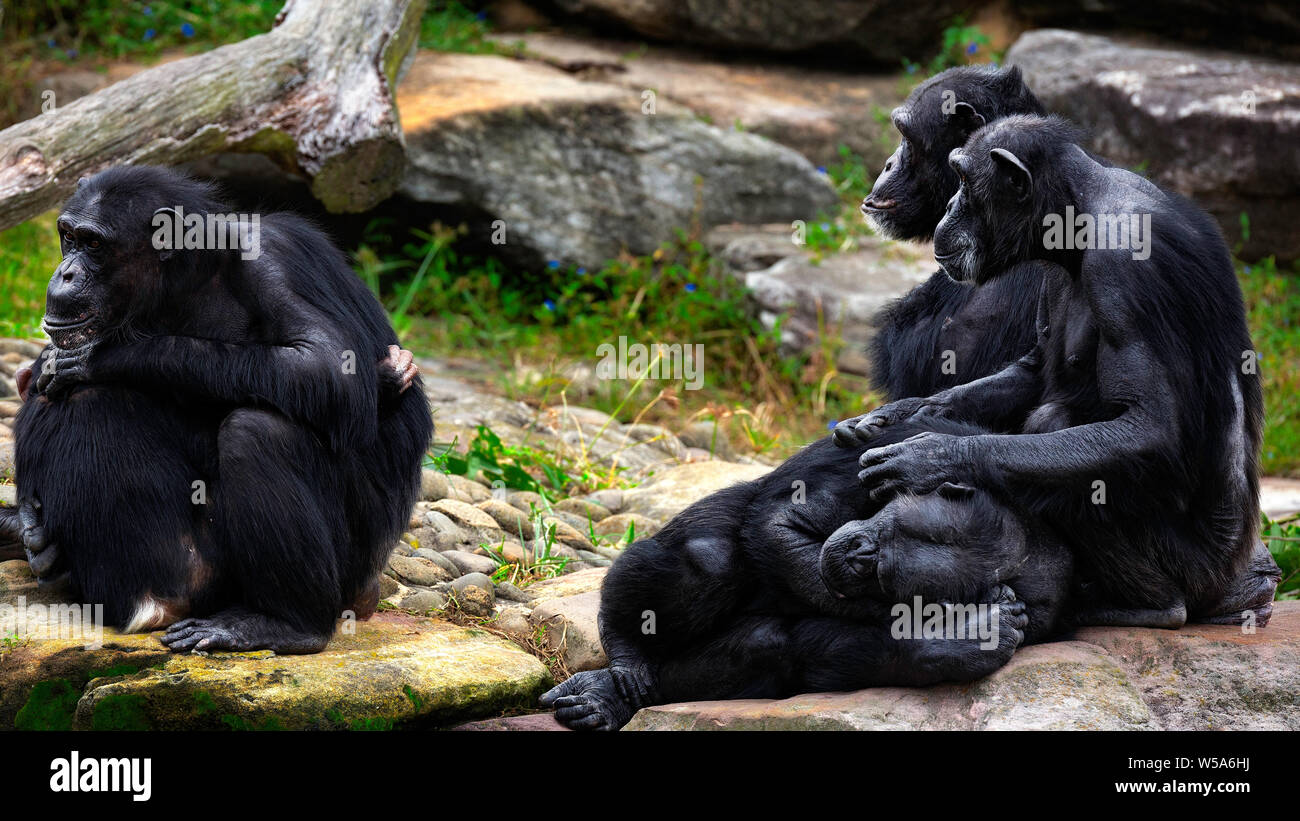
870 204
69 333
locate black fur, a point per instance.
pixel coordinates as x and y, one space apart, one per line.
176 367
1136 381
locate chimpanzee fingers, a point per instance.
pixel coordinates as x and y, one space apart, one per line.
43 562
845 434
409 375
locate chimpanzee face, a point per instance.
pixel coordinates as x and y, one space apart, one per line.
953 544
908 197
988 221
110 273
78 293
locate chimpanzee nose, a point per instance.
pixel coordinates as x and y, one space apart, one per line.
64 290
863 558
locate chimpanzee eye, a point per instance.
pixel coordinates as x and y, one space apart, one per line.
67 237
94 243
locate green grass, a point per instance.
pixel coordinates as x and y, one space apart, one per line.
29 253
450 26
1273 310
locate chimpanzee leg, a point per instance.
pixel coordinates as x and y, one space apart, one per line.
775 657
104 486
279 534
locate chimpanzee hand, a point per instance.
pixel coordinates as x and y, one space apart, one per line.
65 369
859 430
918 464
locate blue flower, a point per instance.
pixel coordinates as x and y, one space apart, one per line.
911 68
482 15
821 169
582 272
149 34
553 264
690 287
148 11
72 53
826 226
1246 268
549 305
187 29
831 424
50 42
972 48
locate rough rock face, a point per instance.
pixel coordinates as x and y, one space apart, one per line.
578 172
1201 677
1223 129
844 290
670 492
882 31
812 110
394 670
1270 27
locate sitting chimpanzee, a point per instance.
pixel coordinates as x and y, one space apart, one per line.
1139 428
209 441
789 584
945 333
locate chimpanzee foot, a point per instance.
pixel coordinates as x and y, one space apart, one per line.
1251 592
588 701
238 630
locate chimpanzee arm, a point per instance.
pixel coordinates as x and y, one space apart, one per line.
1130 378
304 368
998 402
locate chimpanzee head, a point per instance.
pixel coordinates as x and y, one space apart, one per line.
908 198
111 274
1011 174
953 544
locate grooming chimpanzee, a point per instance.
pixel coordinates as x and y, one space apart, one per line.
984 326
1140 427
210 441
748 594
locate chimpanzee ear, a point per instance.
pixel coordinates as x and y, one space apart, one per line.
164 223
1013 172
966 119
956 492
81 183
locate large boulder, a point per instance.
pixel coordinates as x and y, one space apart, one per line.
1202 677
879 31
391 671
812 109
1223 129
1269 27
670 492
812 294
577 172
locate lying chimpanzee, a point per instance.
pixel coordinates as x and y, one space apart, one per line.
789 584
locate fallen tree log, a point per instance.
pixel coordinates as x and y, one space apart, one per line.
315 94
